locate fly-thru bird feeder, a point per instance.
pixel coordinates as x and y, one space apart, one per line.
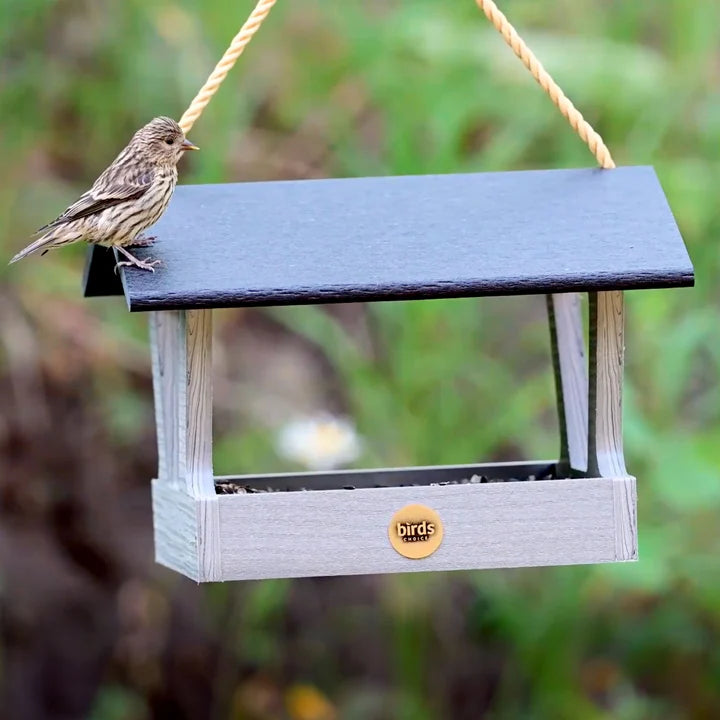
557 233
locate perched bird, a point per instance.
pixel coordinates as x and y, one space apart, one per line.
126 199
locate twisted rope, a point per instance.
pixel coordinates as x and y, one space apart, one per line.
251 26
578 123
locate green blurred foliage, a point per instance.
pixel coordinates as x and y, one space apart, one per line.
358 88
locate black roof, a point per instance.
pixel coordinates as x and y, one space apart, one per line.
407 237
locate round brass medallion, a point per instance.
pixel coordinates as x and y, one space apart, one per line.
415 531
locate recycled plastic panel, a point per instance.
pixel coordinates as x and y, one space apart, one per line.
407 237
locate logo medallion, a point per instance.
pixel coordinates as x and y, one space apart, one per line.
415 531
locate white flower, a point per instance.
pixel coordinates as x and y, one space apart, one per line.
319 442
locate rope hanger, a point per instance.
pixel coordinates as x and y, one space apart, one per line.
574 117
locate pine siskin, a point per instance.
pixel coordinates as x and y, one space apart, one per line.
126 199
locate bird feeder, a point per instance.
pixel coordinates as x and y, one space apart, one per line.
555 233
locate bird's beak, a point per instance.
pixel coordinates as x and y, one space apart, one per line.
187 145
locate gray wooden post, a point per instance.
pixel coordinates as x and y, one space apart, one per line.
571 380
605 445
182 384
607 355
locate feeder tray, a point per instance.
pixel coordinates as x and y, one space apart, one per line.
558 233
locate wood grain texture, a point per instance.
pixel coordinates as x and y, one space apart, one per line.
571 379
416 237
175 524
198 411
625 498
344 532
209 541
187 532
607 353
337 532
167 343
182 384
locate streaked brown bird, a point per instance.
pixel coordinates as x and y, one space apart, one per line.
126 199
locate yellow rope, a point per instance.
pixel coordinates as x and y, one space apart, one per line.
578 123
251 26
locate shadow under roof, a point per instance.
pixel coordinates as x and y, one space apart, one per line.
402 238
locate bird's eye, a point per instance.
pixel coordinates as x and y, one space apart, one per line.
169 141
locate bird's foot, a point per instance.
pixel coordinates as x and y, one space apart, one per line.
142 241
142 264
132 261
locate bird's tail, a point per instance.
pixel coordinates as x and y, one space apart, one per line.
45 242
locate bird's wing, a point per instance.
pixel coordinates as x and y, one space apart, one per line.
105 193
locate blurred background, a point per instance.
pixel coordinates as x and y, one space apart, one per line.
91 628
